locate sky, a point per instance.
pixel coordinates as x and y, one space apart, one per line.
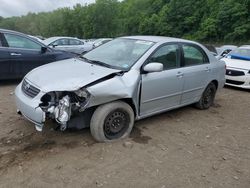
10 8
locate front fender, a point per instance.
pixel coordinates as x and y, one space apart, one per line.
119 87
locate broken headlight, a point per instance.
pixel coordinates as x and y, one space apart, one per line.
82 93
83 98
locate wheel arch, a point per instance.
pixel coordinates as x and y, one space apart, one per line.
131 103
215 82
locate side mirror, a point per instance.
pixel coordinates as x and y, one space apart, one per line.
43 49
153 67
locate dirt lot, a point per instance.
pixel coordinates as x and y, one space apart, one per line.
182 148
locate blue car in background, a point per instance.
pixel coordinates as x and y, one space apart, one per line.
20 53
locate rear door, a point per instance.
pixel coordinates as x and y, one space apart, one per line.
162 90
25 54
76 46
196 70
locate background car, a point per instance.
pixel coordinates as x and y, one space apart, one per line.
211 48
68 44
101 41
20 53
224 50
238 67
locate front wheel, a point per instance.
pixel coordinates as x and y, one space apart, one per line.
207 98
112 121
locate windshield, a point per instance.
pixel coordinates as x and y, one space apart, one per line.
241 52
120 53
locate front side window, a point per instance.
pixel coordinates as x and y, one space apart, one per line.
120 53
193 55
168 55
15 41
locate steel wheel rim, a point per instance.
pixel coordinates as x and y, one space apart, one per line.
116 124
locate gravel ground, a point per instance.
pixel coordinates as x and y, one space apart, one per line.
181 148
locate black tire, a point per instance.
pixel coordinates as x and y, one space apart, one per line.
207 98
112 121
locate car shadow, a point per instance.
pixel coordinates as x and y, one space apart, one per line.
9 82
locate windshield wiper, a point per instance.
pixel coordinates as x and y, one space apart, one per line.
96 62
85 59
101 63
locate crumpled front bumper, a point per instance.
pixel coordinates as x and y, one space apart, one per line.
29 107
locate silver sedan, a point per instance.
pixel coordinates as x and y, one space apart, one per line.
127 79
68 44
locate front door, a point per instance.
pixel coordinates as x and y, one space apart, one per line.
162 90
25 55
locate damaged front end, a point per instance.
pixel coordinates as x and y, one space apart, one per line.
62 105
72 107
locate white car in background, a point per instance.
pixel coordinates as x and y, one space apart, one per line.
68 44
101 41
238 67
224 50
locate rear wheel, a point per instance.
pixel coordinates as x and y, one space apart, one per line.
207 98
112 121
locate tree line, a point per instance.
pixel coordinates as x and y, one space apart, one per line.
201 20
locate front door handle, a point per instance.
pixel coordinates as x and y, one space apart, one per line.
180 74
15 54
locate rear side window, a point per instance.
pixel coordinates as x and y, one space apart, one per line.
61 42
15 41
193 55
75 42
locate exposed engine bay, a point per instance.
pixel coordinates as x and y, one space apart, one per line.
60 106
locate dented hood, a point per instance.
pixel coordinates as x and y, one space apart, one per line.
67 75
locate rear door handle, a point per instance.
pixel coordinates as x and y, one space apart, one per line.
207 69
180 74
15 54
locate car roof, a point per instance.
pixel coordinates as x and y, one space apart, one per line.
11 31
157 39
52 39
245 46
228 46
